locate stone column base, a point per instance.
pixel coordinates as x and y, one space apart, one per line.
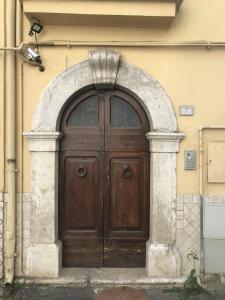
162 260
44 260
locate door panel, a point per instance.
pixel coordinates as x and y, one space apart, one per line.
124 253
82 252
104 181
125 193
126 226
80 192
81 218
81 140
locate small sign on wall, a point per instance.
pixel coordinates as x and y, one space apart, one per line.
186 110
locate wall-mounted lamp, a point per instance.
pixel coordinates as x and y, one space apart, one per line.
36 27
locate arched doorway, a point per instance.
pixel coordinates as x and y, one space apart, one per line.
45 251
104 180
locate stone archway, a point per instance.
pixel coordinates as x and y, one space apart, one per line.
103 69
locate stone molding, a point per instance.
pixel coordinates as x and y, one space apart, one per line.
43 141
104 67
151 96
164 142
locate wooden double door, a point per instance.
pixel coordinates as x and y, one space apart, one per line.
104 181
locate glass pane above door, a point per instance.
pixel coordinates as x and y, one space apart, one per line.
85 114
123 114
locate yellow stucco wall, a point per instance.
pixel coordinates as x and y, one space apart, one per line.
191 76
2 37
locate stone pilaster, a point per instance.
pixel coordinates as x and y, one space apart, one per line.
44 254
162 256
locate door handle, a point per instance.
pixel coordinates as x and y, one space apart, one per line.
127 172
81 171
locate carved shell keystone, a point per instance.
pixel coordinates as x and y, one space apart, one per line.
104 65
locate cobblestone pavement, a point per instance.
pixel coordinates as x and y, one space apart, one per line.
36 292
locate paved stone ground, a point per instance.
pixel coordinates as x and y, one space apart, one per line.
122 293
36 292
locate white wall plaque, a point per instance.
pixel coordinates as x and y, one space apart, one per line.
186 110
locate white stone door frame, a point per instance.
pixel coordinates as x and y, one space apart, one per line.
45 251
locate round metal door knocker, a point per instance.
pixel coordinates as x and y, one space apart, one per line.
127 172
81 171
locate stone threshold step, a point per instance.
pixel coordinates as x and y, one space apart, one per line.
107 277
